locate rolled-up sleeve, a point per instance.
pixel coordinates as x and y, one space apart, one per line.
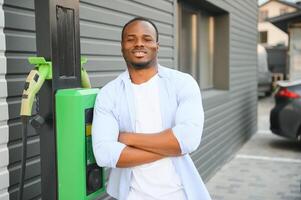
189 119
105 132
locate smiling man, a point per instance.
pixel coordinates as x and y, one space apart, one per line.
146 122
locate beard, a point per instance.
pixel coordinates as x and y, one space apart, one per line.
141 65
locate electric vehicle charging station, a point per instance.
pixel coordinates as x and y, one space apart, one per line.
74 113
65 104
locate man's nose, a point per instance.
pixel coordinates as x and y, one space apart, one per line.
139 42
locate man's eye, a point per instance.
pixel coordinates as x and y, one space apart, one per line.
130 39
148 39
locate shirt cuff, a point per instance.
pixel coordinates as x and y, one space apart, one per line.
118 148
177 130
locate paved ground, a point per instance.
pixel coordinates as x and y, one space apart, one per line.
266 168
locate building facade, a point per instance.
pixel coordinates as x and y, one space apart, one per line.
291 24
270 35
215 41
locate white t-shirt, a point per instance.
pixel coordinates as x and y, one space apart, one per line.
157 180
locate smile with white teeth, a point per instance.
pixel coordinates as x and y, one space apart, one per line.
139 53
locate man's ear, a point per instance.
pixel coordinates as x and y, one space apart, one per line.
158 46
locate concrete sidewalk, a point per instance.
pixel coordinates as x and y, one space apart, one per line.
267 167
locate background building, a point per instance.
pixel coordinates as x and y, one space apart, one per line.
215 41
291 24
270 35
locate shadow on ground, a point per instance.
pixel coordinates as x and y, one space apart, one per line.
285 145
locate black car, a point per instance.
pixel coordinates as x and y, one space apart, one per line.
285 117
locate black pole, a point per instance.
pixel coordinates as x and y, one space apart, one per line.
58 41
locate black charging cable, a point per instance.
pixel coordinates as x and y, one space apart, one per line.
24 120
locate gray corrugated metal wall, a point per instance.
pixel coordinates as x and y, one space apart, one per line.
4 175
20 40
230 115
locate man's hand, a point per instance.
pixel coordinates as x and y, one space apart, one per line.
125 138
163 143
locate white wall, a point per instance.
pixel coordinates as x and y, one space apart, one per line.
4 175
295 54
275 35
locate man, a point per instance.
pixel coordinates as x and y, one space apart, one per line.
146 122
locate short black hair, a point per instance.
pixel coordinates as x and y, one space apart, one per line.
141 19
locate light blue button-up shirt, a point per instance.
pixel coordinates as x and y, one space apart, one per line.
181 110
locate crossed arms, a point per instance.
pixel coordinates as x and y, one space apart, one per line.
145 148
114 149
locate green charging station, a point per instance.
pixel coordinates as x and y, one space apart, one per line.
64 107
79 177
